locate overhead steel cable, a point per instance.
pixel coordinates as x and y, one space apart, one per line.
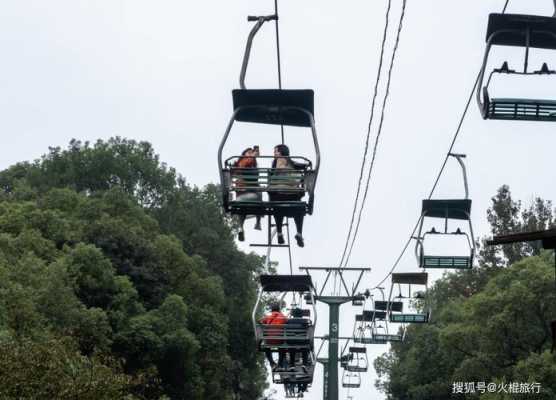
367 140
278 56
380 126
279 68
442 168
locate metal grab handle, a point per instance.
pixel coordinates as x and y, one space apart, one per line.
460 158
260 21
273 17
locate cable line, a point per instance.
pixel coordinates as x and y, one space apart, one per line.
443 167
278 57
364 161
379 132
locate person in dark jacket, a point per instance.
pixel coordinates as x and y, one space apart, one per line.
286 179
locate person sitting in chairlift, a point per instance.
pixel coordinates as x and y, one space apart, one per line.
249 179
275 318
282 161
296 315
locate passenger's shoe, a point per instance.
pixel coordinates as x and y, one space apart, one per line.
281 239
299 240
241 236
258 225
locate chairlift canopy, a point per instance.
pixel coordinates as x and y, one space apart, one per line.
410 278
286 283
511 30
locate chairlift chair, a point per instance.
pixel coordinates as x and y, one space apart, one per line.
358 361
275 107
358 300
365 323
409 279
526 31
296 335
351 379
451 209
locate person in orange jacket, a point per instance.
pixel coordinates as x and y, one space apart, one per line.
275 318
249 180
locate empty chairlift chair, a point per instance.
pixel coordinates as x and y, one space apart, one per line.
409 280
351 379
389 307
448 210
525 31
297 335
274 107
365 325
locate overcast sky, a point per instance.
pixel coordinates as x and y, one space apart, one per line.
163 72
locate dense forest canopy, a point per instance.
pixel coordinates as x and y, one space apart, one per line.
119 280
489 325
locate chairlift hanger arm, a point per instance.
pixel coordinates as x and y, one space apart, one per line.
460 158
260 22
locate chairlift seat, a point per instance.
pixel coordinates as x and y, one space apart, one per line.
373 340
285 337
409 318
387 338
286 283
410 278
351 385
519 109
396 306
286 208
446 262
358 300
356 368
451 209
512 30
274 106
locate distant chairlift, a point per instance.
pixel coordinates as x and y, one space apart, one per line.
296 335
275 107
526 31
452 209
351 379
358 361
365 324
409 280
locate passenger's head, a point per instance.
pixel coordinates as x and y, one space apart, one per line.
281 151
275 306
247 152
255 152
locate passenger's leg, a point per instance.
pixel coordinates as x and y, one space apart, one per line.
298 219
293 354
241 233
279 219
281 358
305 356
269 357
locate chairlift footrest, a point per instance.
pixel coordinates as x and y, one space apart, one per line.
446 262
521 110
409 318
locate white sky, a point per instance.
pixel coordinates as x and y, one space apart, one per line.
163 72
